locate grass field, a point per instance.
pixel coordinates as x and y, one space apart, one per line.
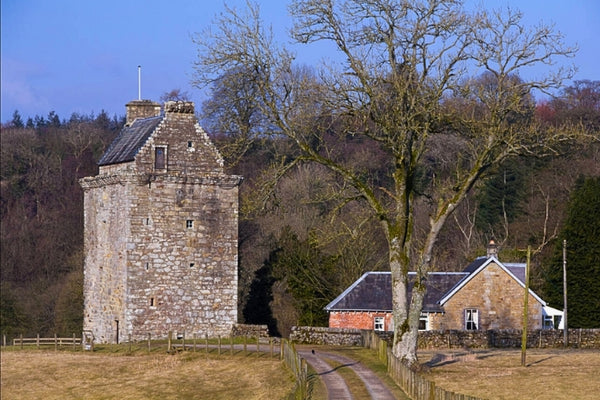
39 374
498 374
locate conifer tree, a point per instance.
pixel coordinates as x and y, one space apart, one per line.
581 231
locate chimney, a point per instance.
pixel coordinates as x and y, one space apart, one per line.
492 249
179 107
141 109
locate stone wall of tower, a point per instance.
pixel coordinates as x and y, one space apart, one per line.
107 202
182 266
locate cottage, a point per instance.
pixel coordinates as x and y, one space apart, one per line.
161 232
487 294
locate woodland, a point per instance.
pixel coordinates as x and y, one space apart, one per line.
399 158
297 249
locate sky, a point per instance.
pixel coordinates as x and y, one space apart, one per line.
74 56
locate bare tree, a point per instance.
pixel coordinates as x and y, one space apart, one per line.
398 65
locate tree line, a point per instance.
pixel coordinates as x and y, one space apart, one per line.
298 248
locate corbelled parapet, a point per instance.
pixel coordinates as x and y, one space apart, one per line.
179 107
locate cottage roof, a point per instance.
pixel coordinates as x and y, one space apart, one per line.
129 141
514 270
373 292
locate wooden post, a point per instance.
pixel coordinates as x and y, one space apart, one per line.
194 342
257 345
245 343
281 349
37 341
4 340
183 341
149 346
525 311
565 327
55 342
231 344
169 341
21 336
129 340
206 342
74 337
219 347
271 345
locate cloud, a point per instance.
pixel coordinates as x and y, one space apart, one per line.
19 91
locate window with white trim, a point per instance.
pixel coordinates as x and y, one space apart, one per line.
379 323
424 322
471 319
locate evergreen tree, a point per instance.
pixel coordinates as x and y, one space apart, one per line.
17 121
581 231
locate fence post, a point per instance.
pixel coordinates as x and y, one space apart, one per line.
149 336
219 347
183 341
194 342
169 341
281 349
21 336
257 345
55 342
231 344
37 341
245 341
271 345
206 342
129 340
4 340
74 340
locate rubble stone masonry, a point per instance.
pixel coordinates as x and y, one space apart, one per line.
161 244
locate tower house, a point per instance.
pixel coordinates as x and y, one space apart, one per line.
161 230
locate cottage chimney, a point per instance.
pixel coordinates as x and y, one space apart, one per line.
492 249
141 109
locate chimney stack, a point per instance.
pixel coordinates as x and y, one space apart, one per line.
492 249
141 109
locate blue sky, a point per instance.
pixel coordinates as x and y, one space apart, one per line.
81 56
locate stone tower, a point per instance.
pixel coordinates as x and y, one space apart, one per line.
161 231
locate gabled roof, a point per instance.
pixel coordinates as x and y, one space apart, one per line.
516 271
129 141
373 292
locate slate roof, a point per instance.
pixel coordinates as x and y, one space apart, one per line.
131 139
373 292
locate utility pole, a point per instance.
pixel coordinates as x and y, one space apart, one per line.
525 311
565 328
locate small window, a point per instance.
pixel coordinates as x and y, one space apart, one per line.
151 301
379 323
160 158
190 145
147 266
189 224
423 322
471 319
192 265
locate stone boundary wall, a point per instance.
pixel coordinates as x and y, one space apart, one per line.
250 330
327 336
509 338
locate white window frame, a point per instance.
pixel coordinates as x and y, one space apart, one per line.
379 324
425 318
471 319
